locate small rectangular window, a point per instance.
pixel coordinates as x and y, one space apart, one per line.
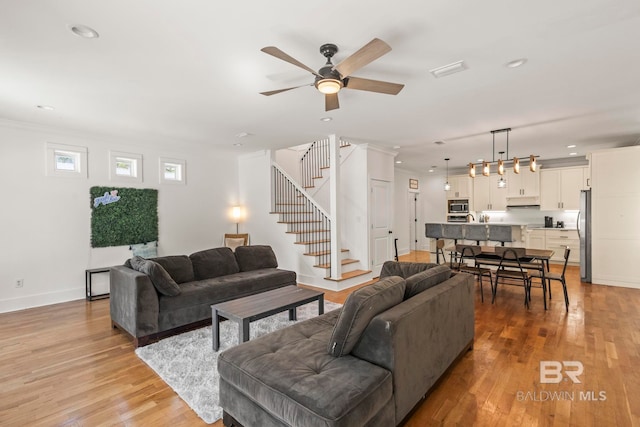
66 160
125 166
172 171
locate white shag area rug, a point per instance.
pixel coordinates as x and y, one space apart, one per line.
188 364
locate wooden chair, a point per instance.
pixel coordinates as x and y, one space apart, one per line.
510 268
471 252
234 240
549 276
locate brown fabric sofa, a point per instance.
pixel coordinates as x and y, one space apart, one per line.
367 364
173 294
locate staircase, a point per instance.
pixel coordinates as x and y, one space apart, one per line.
306 220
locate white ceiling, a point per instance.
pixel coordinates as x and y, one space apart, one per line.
191 71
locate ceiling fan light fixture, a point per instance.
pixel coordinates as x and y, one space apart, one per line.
329 86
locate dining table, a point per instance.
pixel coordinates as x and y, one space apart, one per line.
533 259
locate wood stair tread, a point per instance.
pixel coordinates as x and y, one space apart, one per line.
345 261
323 252
312 242
349 275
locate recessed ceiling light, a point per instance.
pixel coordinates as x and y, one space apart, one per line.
398 162
516 63
237 144
448 69
573 154
84 31
571 146
480 160
242 135
326 119
45 107
430 170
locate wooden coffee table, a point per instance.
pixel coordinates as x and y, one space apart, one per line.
254 307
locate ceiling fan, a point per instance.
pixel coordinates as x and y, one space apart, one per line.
330 79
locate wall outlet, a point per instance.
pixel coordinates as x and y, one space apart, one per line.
19 283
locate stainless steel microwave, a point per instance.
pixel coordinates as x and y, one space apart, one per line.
458 206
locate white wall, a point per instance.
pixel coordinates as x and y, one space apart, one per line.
45 220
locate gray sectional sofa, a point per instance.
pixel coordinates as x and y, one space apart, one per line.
152 299
367 364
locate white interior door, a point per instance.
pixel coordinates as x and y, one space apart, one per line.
381 233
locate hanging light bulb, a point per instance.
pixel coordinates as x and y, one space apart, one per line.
447 187
472 170
532 163
516 165
486 170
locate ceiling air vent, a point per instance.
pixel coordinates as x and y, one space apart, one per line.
446 70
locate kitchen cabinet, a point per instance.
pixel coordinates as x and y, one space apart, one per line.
461 187
557 239
560 188
536 239
523 184
486 194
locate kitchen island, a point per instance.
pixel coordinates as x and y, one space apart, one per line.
482 233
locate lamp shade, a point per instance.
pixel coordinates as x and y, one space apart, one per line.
516 165
486 169
500 167
472 170
236 213
532 163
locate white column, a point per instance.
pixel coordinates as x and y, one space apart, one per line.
334 186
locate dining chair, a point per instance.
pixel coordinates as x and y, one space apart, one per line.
471 252
549 276
234 240
440 251
510 268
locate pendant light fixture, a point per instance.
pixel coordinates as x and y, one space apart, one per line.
486 165
447 187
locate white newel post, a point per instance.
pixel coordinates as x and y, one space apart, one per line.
334 186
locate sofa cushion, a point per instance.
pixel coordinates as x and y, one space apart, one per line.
199 295
289 373
361 306
161 280
426 279
403 269
255 257
212 263
179 267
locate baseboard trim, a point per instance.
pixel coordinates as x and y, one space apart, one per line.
39 300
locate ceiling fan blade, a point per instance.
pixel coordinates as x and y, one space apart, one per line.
274 51
367 53
331 102
359 83
273 92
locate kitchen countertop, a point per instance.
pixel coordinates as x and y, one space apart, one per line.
540 227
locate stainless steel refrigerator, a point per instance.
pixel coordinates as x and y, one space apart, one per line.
584 233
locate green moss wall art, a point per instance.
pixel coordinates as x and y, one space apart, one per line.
123 216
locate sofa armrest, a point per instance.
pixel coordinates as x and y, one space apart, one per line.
420 338
133 301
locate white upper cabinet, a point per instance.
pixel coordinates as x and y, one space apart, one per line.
486 194
523 184
461 187
561 188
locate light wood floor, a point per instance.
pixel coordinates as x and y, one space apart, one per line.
64 365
